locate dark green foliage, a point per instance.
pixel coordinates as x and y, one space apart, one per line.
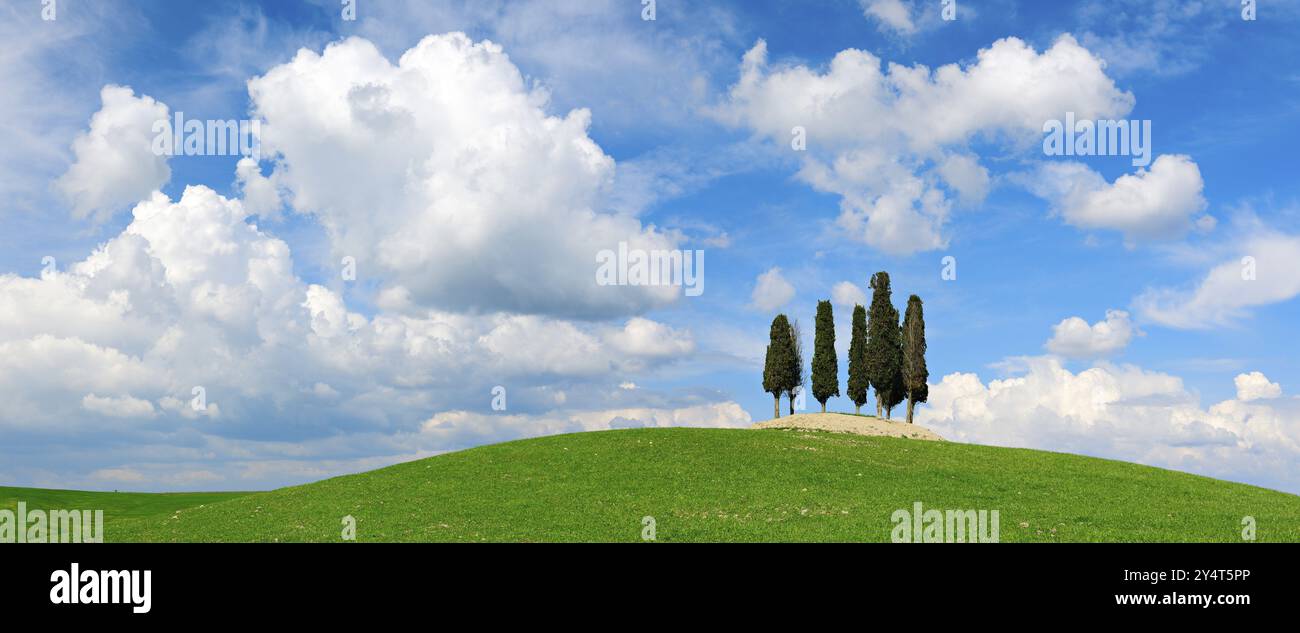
825 365
859 382
896 392
777 375
915 374
795 369
884 345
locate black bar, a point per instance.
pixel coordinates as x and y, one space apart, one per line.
233 581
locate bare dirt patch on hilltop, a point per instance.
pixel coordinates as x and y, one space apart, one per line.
848 423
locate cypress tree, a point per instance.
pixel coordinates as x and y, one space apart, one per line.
776 368
795 365
915 374
893 392
883 353
825 365
856 390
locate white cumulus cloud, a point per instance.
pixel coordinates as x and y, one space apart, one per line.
192 296
1074 338
1122 412
450 146
1256 386
1163 202
115 162
893 141
1263 272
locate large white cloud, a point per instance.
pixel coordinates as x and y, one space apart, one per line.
1122 412
115 162
1074 338
450 147
475 216
892 140
1263 271
1163 202
191 295
188 295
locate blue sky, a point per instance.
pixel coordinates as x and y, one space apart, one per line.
1095 308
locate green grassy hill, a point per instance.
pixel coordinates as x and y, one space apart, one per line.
117 506
724 485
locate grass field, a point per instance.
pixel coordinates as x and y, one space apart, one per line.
708 485
117 506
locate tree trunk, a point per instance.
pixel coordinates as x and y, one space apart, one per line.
888 412
823 407
791 403
857 409
777 414
911 404
880 409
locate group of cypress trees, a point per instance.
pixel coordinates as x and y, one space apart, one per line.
883 355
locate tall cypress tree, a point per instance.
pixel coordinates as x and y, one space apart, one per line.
795 364
893 392
915 374
883 353
825 365
859 383
776 368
